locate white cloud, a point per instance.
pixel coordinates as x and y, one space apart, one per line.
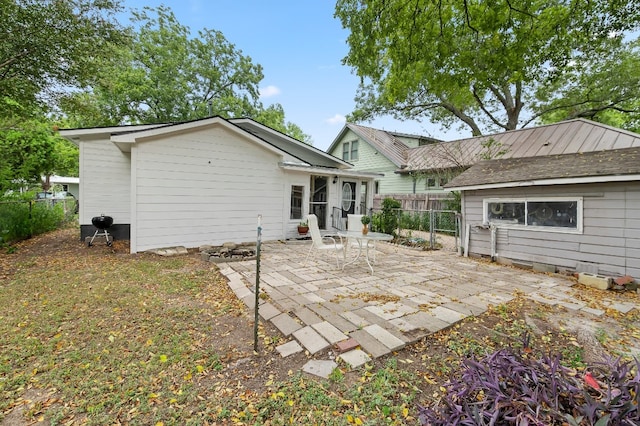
337 119
269 91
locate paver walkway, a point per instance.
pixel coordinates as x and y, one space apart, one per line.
410 294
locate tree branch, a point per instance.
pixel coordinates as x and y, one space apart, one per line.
14 58
484 109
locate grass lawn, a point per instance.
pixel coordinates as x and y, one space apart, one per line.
99 336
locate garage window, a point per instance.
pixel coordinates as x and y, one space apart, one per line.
559 214
297 191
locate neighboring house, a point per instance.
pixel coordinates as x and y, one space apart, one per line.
577 212
374 150
206 182
67 183
414 164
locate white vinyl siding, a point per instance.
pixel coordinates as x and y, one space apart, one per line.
610 238
369 160
105 189
206 187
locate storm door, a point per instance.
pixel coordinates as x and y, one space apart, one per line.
318 199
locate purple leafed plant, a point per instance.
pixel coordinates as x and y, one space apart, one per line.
508 387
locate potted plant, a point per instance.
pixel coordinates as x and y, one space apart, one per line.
303 227
365 224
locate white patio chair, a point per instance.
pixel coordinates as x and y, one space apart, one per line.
354 223
320 243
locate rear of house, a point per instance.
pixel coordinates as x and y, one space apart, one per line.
205 182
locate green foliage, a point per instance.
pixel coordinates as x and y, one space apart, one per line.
387 220
22 217
48 46
166 75
603 88
480 64
30 149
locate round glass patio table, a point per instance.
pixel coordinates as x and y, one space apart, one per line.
363 240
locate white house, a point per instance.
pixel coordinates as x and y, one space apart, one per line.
69 184
206 181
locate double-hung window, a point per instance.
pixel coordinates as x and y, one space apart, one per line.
549 214
350 151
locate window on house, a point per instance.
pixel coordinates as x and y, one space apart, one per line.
430 183
350 151
297 192
354 150
562 214
345 151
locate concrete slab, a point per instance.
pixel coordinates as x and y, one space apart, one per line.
268 311
289 348
285 324
447 315
319 368
384 337
329 332
307 316
355 358
310 339
369 344
623 307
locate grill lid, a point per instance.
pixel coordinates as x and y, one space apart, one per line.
102 221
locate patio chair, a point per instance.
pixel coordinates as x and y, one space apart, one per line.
354 223
320 243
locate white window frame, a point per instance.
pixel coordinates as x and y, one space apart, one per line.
346 151
579 214
353 153
296 189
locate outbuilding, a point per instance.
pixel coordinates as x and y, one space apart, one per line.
575 212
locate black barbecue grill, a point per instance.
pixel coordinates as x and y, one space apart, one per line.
102 223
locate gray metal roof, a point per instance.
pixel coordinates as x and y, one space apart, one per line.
301 150
608 163
386 143
579 135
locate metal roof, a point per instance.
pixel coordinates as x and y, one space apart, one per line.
387 143
572 136
597 165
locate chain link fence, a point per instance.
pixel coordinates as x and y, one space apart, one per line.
429 229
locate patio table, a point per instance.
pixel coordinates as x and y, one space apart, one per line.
363 239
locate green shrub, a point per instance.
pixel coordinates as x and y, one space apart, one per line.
387 220
22 217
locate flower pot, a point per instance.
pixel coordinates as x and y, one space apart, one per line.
365 229
303 229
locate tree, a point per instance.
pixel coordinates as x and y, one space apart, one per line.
605 88
47 46
479 63
167 76
30 150
274 117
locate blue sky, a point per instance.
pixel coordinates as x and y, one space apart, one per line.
300 46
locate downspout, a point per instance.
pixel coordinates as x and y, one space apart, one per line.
494 232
